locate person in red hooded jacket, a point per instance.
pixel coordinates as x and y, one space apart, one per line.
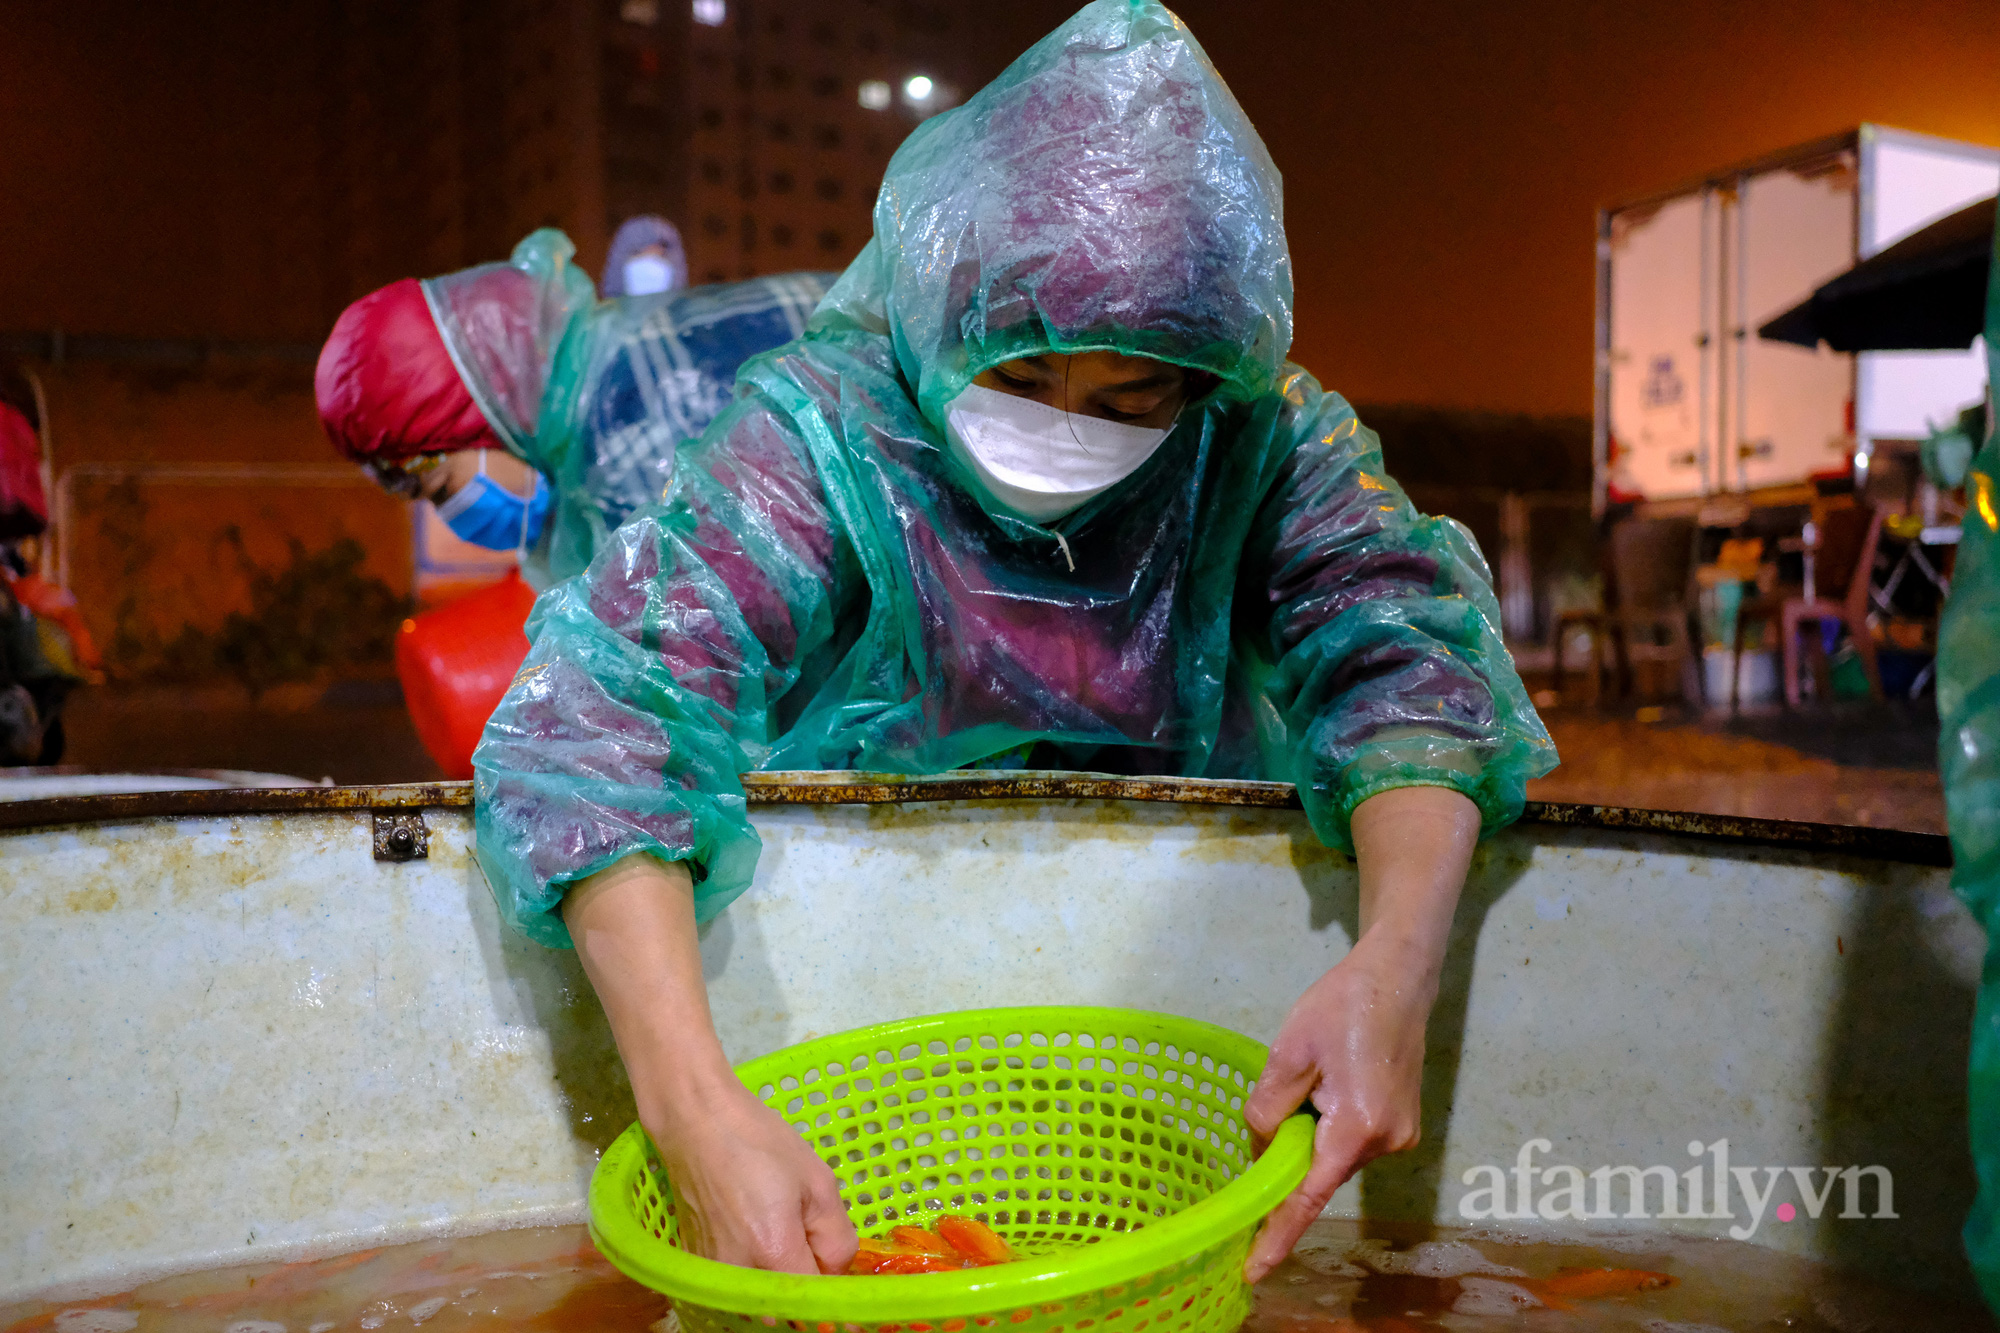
46 649
535 416
24 509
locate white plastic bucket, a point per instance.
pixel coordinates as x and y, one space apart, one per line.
1756 677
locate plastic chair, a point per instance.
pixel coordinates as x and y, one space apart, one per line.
1652 565
1766 609
1598 624
1840 556
1647 566
1595 620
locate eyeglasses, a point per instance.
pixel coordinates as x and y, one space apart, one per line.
406 478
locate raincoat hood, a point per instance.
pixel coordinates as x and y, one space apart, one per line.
1105 192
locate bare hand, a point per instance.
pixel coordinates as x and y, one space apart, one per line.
1354 1046
749 1191
1354 1043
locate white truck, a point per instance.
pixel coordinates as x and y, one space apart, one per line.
1690 402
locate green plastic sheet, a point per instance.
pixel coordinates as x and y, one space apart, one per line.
827 588
1968 696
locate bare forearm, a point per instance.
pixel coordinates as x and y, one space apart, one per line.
1354 1042
634 928
1413 846
747 1189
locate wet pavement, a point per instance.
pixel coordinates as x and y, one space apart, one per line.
1861 763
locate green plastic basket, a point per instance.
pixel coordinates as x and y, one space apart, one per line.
1106 1145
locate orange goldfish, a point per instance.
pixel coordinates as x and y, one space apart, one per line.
1583 1284
916 1238
974 1240
958 1243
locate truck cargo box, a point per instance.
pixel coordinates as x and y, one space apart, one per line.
1689 401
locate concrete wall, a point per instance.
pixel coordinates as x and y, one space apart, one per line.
177 486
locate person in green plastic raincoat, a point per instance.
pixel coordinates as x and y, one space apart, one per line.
1036 487
1968 698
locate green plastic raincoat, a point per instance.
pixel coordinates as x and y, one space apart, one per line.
826 587
1968 698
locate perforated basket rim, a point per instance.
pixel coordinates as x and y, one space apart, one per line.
1117 1258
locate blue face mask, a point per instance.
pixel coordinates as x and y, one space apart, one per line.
487 514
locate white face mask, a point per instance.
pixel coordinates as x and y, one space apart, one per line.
1039 460
646 274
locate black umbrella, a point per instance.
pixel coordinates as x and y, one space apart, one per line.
1925 292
